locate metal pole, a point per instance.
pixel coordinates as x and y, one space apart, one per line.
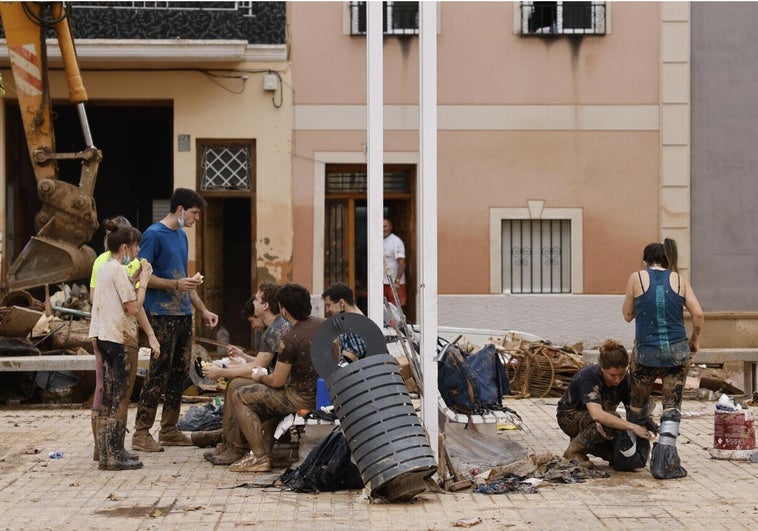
428 217
375 158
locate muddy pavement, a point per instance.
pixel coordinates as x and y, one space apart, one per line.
178 489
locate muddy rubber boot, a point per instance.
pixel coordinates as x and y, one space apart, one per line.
206 439
93 416
102 446
577 451
117 459
144 442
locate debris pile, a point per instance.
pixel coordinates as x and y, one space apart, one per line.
536 368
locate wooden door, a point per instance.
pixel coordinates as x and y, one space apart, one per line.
212 264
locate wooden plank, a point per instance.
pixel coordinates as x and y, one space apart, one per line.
62 362
19 322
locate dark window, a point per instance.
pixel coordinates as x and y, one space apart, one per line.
398 18
563 18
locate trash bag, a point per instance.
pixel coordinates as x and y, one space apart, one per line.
664 461
629 451
202 418
327 468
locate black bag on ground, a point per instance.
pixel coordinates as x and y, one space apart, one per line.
326 469
664 460
629 451
202 418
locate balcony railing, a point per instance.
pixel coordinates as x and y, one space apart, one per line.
563 18
398 18
253 22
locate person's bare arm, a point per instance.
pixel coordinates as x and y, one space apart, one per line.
610 420
278 378
400 269
696 311
144 323
628 307
210 318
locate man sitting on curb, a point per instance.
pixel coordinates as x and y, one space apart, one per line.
587 410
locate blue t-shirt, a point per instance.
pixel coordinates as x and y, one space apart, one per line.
167 250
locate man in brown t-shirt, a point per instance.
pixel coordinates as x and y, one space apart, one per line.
290 388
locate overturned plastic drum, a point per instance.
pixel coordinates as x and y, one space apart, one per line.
386 438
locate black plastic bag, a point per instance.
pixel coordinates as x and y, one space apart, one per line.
629 451
327 468
665 462
202 418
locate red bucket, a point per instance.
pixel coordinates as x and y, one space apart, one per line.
733 430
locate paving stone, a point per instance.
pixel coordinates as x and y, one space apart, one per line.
178 489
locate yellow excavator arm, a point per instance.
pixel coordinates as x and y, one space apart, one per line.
68 218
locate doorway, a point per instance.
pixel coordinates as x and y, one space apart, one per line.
227 262
137 166
346 244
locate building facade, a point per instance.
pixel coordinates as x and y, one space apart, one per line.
570 135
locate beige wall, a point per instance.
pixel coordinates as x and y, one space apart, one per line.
203 109
571 122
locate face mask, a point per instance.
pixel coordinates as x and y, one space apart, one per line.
181 219
126 259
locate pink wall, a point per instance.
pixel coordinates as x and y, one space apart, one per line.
612 175
480 59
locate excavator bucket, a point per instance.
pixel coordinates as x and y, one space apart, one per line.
48 261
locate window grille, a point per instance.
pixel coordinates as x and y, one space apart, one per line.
563 18
536 255
398 18
226 167
357 181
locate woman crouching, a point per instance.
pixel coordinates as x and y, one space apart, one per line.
587 410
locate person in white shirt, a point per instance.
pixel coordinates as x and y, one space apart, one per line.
115 306
394 258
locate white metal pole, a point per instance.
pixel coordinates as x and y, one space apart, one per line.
375 159
428 214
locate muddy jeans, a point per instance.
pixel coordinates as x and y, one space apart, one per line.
598 439
167 373
642 378
229 424
256 404
119 373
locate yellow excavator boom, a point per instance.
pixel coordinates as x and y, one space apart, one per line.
68 218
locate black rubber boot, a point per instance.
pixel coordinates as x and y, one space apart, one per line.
117 458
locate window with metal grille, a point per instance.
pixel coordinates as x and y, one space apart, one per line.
398 18
226 167
562 18
536 255
357 181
